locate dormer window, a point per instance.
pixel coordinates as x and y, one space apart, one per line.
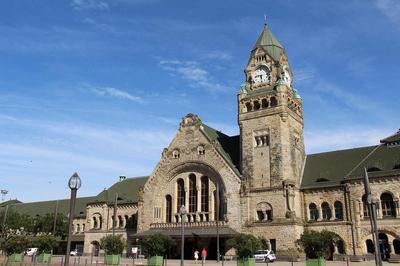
201 150
175 154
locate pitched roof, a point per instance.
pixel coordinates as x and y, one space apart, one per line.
393 139
9 202
229 146
41 208
269 43
127 190
333 168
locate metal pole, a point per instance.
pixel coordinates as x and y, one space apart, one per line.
71 217
115 214
372 216
4 221
55 219
183 239
218 203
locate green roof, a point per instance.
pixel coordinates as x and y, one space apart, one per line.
269 43
393 139
229 146
9 202
41 208
127 190
333 168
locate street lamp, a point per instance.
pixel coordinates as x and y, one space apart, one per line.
182 212
74 184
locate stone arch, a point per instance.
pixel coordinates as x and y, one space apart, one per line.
95 248
264 211
312 209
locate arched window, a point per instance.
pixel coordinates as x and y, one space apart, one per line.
168 209
326 211
338 210
127 221
95 223
340 246
396 246
313 212
257 105
192 193
273 101
264 103
248 107
181 193
120 221
388 207
78 228
370 246
365 206
264 212
83 227
204 194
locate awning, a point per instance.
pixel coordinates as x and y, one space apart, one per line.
190 232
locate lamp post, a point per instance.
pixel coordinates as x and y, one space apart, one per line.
74 184
182 212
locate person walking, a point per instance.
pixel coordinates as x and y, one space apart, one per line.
196 256
204 254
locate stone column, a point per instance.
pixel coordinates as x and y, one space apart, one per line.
379 210
198 188
333 213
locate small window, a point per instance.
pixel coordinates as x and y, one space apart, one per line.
313 212
175 154
370 246
326 211
157 212
201 150
338 210
261 141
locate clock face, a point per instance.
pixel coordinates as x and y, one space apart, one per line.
261 75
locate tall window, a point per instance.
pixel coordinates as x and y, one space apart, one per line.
181 193
168 208
338 210
192 193
313 212
95 224
365 206
388 207
326 211
370 246
204 194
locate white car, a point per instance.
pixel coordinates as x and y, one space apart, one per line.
31 251
75 253
264 256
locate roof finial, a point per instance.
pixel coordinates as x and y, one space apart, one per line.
265 20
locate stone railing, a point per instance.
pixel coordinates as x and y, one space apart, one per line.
188 224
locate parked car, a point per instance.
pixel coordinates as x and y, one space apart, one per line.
264 256
75 253
31 251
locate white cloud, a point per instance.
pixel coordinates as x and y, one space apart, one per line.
304 74
90 4
221 55
116 93
390 8
193 73
322 140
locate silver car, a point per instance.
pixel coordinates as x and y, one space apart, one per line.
264 256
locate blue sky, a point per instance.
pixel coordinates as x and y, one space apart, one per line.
99 86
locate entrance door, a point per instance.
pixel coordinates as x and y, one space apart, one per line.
384 246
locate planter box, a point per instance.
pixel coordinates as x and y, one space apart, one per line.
16 257
112 259
316 262
155 261
44 258
246 262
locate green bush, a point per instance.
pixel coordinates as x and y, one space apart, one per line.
157 244
45 244
245 245
15 244
113 245
315 244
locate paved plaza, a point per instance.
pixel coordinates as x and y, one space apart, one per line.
58 260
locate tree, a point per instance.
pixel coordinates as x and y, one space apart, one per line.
45 244
316 244
113 245
15 244
157 244
15 222
45 224
245 245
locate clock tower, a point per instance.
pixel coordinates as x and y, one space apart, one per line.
270 118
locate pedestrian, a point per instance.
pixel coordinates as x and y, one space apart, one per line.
204 254
196 256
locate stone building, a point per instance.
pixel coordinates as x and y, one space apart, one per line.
259 182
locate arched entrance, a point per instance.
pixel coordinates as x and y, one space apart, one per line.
95 248
384 246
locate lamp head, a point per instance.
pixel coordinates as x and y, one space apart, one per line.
74 182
